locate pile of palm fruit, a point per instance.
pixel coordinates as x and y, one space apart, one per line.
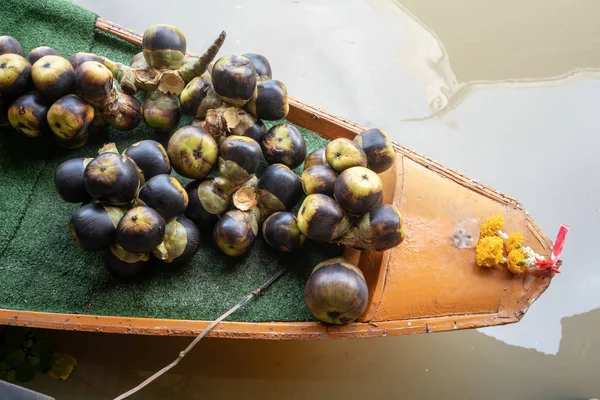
69 98
133 208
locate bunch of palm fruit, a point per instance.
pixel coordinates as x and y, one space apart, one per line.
162 70
47 93
345 194
132 207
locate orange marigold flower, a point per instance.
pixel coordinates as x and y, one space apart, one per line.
514 241
492 225
489 251
516 261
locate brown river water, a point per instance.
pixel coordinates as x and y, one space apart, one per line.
506 92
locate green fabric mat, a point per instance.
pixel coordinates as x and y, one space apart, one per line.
41 267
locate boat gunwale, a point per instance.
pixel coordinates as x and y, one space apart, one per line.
250 330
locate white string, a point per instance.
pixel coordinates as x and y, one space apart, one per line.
182 354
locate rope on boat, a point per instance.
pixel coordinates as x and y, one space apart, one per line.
261 289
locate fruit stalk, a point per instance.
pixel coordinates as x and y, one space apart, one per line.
95 84
125 75
223 120
209 55
186 70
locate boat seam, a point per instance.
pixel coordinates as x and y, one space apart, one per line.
387 264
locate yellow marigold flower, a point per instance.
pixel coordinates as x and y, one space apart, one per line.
514 240
516 261
492 225
489 251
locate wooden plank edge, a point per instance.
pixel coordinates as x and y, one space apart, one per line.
247 330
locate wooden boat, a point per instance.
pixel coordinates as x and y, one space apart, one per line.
424 285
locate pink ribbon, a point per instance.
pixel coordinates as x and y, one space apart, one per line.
556 251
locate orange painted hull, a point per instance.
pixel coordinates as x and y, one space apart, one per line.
424 285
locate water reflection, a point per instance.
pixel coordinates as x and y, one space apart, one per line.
529 100
455 365
453 55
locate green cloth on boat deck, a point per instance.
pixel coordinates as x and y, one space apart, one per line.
66 27
41 267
